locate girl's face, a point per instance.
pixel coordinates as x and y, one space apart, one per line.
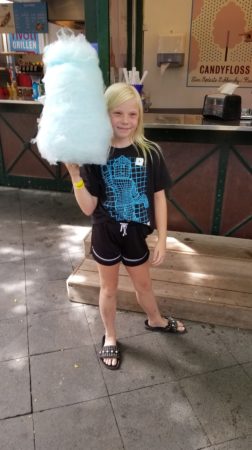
124 119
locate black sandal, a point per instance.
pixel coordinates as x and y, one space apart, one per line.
171 327
112 352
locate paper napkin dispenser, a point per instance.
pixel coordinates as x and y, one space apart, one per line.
171 50
222 106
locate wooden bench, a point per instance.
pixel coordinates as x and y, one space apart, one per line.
203 278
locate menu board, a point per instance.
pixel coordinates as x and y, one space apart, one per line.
30 17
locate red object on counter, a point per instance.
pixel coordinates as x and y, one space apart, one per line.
4 93
24 80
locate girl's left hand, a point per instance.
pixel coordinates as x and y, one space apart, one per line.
159 253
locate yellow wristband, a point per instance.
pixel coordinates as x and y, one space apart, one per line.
79 184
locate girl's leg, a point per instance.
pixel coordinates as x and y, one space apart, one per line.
107 303
140 276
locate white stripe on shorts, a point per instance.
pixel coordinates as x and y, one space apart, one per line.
105 259
135 260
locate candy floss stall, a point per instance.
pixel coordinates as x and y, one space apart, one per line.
23 36
207 277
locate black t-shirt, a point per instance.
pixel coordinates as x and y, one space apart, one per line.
125 186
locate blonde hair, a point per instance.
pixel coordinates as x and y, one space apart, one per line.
119 93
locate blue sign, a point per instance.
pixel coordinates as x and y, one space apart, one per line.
30 17
24 42
95 45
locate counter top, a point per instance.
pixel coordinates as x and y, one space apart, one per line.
158 119
20 102
193 121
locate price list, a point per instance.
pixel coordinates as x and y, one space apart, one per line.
30 17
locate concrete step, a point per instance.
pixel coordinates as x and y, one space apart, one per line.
203 278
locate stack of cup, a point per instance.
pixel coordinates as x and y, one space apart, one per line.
132 77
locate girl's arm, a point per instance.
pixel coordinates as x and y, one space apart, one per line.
160 206
85 200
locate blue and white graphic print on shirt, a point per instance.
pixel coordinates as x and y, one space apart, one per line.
126 180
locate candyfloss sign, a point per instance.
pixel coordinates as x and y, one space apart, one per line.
24 42
219 49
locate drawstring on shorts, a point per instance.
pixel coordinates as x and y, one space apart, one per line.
123 228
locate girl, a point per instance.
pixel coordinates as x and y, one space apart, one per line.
126 198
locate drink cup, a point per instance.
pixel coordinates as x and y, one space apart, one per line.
138 87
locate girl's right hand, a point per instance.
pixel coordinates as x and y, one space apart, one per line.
73 169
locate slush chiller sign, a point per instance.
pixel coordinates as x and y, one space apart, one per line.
24 42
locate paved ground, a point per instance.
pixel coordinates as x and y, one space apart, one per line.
185 392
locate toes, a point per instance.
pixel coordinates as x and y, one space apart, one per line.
110 362
180 326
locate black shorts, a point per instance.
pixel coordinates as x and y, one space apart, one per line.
113 242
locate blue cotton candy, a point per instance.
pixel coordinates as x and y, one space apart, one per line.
74 125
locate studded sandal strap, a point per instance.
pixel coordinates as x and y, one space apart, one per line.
172 324
109 351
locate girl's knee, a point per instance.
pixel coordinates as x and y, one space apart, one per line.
108 291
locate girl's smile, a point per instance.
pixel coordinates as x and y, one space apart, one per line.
124 119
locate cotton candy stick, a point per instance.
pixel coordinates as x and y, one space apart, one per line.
120 74
125 73
144 76
133 79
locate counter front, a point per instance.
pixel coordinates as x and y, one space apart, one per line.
210 166
20 162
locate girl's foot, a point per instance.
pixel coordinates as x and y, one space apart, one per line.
110 353
166 325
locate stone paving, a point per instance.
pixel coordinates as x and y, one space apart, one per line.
187 392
